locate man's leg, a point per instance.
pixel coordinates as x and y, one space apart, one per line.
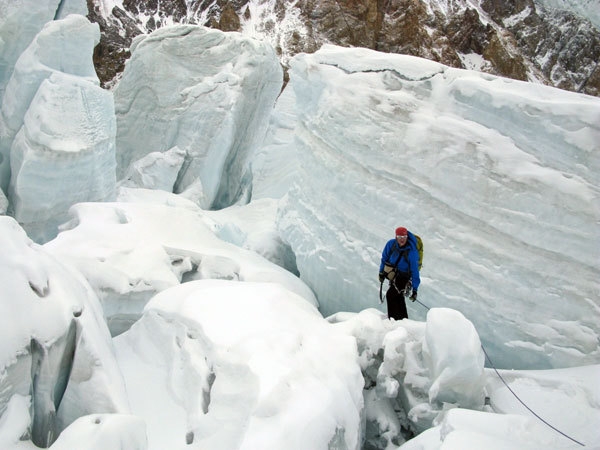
395 299
396 304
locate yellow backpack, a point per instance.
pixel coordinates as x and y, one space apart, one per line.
420 249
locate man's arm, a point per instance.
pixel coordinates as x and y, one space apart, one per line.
414 268
385 255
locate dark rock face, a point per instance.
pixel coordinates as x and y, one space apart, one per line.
513 38
352 23
229 20
169 10
117 31
564 48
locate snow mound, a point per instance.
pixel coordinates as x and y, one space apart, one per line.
273 375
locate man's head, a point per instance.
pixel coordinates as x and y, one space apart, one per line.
401 235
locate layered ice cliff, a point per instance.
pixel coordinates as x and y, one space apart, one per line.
497 176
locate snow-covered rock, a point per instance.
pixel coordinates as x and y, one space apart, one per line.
554 42
207 92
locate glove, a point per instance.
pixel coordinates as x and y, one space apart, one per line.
381 277
413 297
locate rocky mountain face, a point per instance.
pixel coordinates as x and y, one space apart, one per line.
518 39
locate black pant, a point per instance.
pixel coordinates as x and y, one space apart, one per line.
395 299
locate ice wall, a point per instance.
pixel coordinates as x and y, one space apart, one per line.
497 177
57 129
208 93
66 7
20 22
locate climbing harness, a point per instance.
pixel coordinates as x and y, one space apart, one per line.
390 272
406 292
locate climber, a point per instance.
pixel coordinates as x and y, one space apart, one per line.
400 265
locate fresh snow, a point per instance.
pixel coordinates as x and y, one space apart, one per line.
473 61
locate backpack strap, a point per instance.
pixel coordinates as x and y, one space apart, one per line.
401 254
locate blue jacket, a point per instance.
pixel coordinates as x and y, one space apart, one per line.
393 255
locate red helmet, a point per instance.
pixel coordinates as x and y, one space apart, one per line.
401 231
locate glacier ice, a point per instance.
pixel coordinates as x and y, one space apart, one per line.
104 431
63 154
53 330
58 129
21 22
414 367
589 9
61 46
133 249
453 355
156 170
377 141
207 92
3 203
68 7
355 135
277 375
